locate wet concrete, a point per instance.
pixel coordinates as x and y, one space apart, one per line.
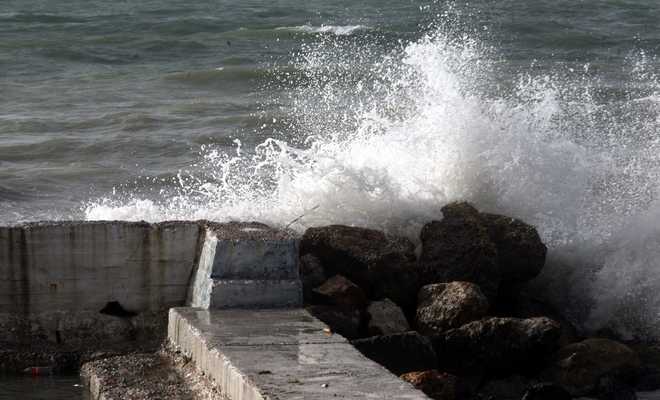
279 354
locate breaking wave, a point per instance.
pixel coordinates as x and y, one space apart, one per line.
385 140
338 30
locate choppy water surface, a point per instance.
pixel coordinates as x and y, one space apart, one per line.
373 114
14 387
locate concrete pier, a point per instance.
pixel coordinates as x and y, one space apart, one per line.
279 354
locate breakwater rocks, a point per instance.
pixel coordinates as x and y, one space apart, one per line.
456 320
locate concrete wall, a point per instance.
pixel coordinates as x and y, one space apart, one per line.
59 275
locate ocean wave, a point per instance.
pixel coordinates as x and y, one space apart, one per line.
338 30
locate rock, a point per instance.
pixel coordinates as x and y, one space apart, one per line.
649 355
578 367
382 265
437 385
386 318
458 248
546 391
498 346
345 322
311 275
444 306
400 353
609 388
339 291
520 251
511 388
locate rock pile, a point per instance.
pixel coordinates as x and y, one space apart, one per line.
455 322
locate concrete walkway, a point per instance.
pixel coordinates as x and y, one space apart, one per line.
279 354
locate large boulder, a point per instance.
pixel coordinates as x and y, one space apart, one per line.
383 265
520 251
386 318
346 322
498 346
459 248
444 306
400 353
339 291
579 367
312 275
437 385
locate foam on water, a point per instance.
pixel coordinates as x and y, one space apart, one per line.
339 30
386 140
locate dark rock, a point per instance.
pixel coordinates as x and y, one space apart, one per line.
648 382
546 391
437 385
400 353
444 306
339 291
458 248
511 388
343 321
522 305
520 251
382 265
649 355
115 309
311 275
578 367
611 388
386 318
498 346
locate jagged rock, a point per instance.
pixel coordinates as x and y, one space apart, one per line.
458 248
437 385
386 318
343 321
520 251
498 346
523 305
400 353
546 391
511 388
444 306
339 291
311 275
578 367
382 265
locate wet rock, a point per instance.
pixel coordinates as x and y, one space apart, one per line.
612 388
498 346
520 251
458 248
578 367
444 306
311 275
437 385
511 388
339 291
345 322
400 353
386 318
546 391
382 265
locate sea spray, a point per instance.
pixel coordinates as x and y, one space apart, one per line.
384 139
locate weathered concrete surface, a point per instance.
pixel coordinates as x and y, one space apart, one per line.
54 274
247 266
279 354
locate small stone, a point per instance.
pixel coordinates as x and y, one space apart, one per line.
437 385
339 291
386 318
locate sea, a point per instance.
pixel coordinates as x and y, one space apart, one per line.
373 113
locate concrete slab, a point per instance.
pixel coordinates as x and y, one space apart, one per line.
279 354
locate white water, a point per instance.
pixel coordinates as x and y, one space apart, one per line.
386 141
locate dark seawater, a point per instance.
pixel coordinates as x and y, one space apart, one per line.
41 388
373 114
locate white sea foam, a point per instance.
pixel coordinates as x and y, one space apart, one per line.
339 30
386 143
